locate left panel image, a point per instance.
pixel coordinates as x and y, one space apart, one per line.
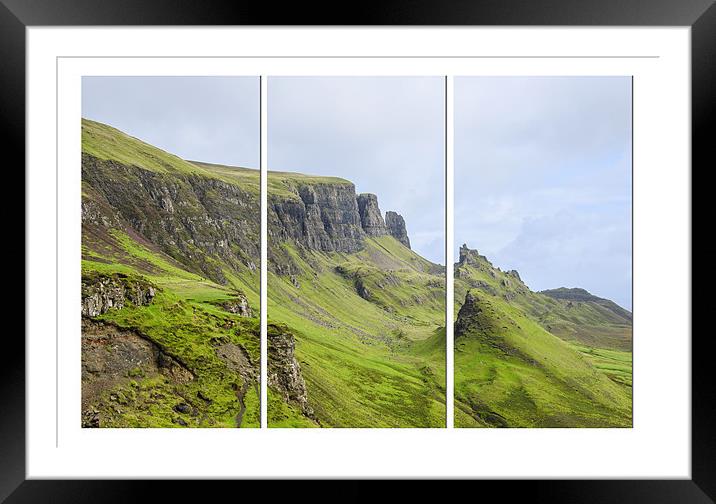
170 251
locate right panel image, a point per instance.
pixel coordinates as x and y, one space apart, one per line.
543 237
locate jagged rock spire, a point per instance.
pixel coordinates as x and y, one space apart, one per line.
370 216
396 227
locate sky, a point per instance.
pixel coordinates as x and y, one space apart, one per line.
384 134
210 119
543 179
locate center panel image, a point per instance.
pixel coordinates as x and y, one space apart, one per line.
356 294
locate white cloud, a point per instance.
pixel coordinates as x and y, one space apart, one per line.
543 178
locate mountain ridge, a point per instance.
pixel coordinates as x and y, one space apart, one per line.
579 294
525 358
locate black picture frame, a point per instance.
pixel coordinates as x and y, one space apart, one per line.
700 15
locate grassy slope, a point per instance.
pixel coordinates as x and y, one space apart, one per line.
183 318
588 323
283 184
367 363
514 372
105 142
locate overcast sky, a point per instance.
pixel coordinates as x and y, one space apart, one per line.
211 119
384 134
543 179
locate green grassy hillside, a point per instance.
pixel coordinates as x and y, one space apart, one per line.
369 335
170 301
525 359
181 227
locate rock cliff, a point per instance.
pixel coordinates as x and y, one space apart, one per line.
284 371
370 217
396 227
324 217
327 216
472 257
100 293
192 218
238 305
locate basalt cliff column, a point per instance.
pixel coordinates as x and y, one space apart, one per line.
370 217
318 216
329 217
396 227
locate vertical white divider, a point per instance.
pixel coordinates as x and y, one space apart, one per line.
449 259
263 157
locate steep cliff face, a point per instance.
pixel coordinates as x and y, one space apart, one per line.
101 293
189 217
396 227
370 217
284 371
318 216
323 214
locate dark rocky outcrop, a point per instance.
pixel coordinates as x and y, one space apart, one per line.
284 371
396 227
359 283
100 293
370 217
328 217
472 257
514 274
323 217
361 289
471 316
479 319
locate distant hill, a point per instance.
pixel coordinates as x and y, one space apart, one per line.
577 295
